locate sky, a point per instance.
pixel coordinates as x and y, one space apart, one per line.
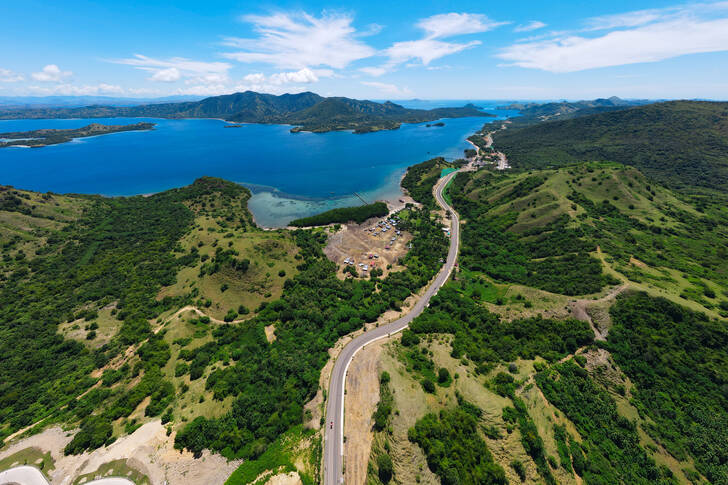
370 49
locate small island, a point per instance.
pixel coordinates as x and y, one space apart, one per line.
45 137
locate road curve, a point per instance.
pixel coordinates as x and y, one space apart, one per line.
334 437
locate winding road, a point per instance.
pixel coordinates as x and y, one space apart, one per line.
334 436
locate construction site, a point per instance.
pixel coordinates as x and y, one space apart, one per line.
376 244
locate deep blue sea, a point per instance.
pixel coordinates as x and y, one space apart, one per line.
291 174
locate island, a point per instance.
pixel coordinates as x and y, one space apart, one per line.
45 137
304 111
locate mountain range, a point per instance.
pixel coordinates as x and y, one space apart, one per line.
307 111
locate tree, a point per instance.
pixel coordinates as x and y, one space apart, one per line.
386 470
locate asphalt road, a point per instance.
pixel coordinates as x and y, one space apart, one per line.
30 475
334 436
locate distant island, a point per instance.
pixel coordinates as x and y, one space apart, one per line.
306 111
45 137
438 124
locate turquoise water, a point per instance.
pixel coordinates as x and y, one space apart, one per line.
291 175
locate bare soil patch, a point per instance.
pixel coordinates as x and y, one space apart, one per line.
367 244
148 450
362 396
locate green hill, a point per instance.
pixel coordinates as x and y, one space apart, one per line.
308 111
573 230
681 144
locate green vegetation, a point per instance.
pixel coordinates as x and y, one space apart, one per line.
539 230
40 138
530 438
611 443
681 144
386 401
309 111
115 468
280 457
454 449
345 214
316 308
543 252
485 339
421 178
677 361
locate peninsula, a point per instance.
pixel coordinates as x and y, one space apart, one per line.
45 137
305 111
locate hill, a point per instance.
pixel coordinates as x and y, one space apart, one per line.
530 113
308 111
573 230
681 144
115 312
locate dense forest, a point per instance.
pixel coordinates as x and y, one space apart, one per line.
677 360
117 253
681 144
486 339
271 383
454 449
343 215
611 443
421 178
551 255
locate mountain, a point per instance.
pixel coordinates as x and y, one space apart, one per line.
683 144
308 111
25 102
534 112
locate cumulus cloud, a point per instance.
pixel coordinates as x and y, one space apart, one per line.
304 75
298 41
530 26
177 68
8 76
168 75
390 89
633 37
51 73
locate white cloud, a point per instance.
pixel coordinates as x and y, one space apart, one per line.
433 46
176 68
304 75
77 90
8 76
51 73
452 24
389 89
530 26
374 71
299 41
168 75
426 50
638 37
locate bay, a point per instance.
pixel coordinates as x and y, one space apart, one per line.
291 174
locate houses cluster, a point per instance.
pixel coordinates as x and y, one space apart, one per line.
384 226
363 266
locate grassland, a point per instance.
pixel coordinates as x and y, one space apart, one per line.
639 232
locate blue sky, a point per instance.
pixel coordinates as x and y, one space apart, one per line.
367 49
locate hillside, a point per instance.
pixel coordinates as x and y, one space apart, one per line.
118 312
510 376
681 144
573 230
308 111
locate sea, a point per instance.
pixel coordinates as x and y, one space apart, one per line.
291 175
